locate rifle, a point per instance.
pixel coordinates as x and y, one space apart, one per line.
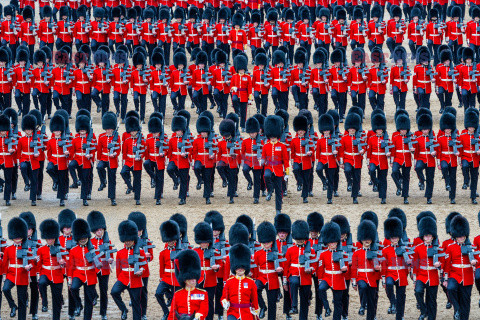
402 250
206 76
305 75
334 141
430 72
452 72
87 25
468 249
434 251
454 142
137 149
410 140
359 140
134 259
420 26
380 24
288 243
210 145
432 143
12 139
226 73
65 142
114 145
275 256
258 146
184 144
177 250
24 254
265 77
164 78
385 143
92 257
144 243
107 72
32 244
406 72
382 72
210 255
105 247
184 76
89 145
307 142
56 250
373 254
305 259
160 143
339 256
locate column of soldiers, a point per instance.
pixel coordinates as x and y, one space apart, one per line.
220 277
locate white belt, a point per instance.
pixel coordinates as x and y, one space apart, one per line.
301 155
434 35
448 152
102 81
462 266
470 80
352 154
423 81
154 154
425 152
80 154
469 151
206 268
357 82
326 153
378 153
28 153
85 268
82 82
105 153
22 81
427 268
251 154
365 270
4 81
177 153
203 153
131 155
377 82
333 272
267 271
15 266
132 34
397 268
58 155
128 269
64 32
4 154
456 33
446 80
169 270
402 151
338 81
140 84
51 267
296 265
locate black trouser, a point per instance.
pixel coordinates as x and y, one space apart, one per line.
355 175
280 99
166 49
40 178
301 98
134 293
84 101
397 299
139 100
329 179
14 179
468 99
424 98
73 167
453 44
337 299
345 300
221 99
318 299
56 289
178 100
23 101
102 103
304 178
181 174
377 101
103 286
159 102
88 293
257 179
444 97
340 101
120 100
204 174
86 178
7 173
430 174
358 99
470 177
157 175
368 294
460 295
428 305
232 178
379 178
274 183
137 180
211 300
34 295
321 101
399 97
450 175
5 100
200 100
22 297
305 294
64 99
272 295
144 296
208 48
400 172
164 290
102 168
218 297
61 176
261 102
240 109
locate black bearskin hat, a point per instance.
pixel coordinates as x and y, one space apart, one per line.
300 123
96 220
459 227
128 231
400 53
426 226
187 266
284 115
358 55
17 228
300 230
29 218
247 221
22 55
66 218
283 223
179 123
252 125
49 229
29 122
319 57
342 221
215 219
471 118
402 122
315 222
132 124
366 231
379 122
448 121
82 123
98 12
39 56
325 123
370 215
80 230
266 232
273 126
139 219
155 125
278 57
336 56
181 220
353 121
400 214
170 231
423 55
238 233
227 128
57 123
376 11
240 258
240 63
237 20
425 122
331 233
203 233
109 121
448 221
424 214
393 228
180 59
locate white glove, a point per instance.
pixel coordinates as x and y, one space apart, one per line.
225 305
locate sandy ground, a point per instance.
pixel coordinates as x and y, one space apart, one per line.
195 208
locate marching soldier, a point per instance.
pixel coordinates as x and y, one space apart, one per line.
398 82
448 151
283 227
303 154
241 86
261 83
280 80
338 82
129 275
423 76
7 157
101 80
251 155
228 156
357 78
378 155
22 78
315 224
17 269
62 76
445 81
65 220
204 152
51 264
159 83
470 157
29 150
326 152
139 80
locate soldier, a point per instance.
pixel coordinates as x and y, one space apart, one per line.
283 227
459 268
129 270
81 271
116 30
155 152
159 83
470 157
59 150
51 264
365 273
378 155
315 224
200 82
29 150
41 81
240 290
204 155
63 30
65 220
423 76
81 28
8 158
448 151
303 154
62 76
251 155
17 269
280 80
467 78
179 81
98 226
121 79
261 83
189 300
170 233
228 156
133 149
99 35
425 268
101 80
241 86
398 82
299 274
331 270
445 81
326 152
395 268
338 82
139 80
22 78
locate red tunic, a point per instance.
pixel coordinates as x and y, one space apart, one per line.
105 270
241 293
422 153
189 302
208 277
330 271
14 267
25 152
400 151
167 269
103 152
350 153
48 265
125 271
299 152
394 266
293 266
129 157
79 267
457 265
174 152
265 270
154 153
243 85
7 158
468 152
445 152
375 153
423 267
363 268
276 158
324 152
